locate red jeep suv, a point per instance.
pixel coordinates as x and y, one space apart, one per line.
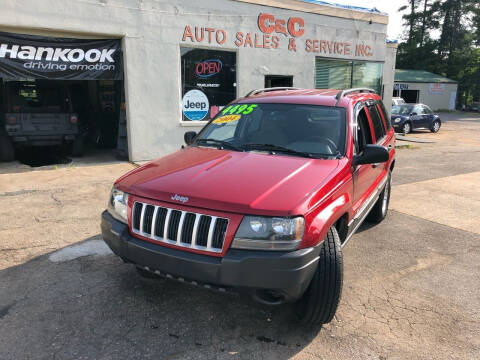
263 199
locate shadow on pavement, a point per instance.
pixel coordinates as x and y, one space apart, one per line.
98 307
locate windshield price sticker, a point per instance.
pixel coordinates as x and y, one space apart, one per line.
226 119
239 109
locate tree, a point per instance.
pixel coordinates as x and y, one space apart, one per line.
455 53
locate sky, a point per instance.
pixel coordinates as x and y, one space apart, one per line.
388 6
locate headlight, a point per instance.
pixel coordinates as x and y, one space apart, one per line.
397 120
118 205
269 233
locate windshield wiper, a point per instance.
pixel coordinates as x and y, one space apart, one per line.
276 148
219 143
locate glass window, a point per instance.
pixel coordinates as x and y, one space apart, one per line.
417 110
364 135
402 109
316 130
367 74
427 110
377 122
208 81
336 74
344 74
383 112
38 96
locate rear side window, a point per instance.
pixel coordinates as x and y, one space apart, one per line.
364 135
377 122
383 112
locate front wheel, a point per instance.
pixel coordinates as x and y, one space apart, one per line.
406 128
435 126
319 303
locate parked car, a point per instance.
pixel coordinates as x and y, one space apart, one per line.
408 117
37 113
263 199
397 101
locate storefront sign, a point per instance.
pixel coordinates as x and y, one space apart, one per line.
436 89
398 86
273 32
195 105
40 57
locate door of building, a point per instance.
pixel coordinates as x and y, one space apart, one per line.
410 96
278 81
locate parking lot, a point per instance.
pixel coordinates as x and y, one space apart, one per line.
410 284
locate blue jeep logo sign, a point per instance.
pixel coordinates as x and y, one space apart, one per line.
195 105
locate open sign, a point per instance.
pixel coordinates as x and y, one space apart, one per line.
207 68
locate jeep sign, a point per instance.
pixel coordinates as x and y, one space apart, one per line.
39 57
195 105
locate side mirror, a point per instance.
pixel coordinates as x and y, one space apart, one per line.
413 114
372 154
189 137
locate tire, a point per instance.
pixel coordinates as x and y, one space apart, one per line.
319 303
146 274
77 146
7 150
380 209
435 126
406 128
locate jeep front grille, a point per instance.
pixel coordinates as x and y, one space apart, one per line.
181 228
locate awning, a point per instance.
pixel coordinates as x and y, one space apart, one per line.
40 57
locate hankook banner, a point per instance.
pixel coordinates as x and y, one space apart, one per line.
40 57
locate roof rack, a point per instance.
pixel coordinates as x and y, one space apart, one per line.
258 91
342 93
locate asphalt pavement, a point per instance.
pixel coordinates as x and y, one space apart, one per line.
410 283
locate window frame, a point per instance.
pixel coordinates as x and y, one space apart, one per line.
384 130
203 123
358 108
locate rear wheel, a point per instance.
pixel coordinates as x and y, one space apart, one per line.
319 303
7 151
380 209
435 126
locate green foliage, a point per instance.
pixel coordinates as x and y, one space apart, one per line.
455 53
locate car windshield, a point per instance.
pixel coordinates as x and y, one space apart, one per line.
291 129
402 109
36 96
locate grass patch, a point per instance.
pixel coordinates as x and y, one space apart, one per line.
406 146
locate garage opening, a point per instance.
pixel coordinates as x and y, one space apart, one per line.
57 107
410 96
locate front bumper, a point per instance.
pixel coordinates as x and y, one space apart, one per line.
286 275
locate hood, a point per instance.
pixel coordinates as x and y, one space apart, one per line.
241 182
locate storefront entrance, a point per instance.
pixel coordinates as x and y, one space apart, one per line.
60 98
410 96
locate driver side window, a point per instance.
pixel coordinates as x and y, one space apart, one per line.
364 134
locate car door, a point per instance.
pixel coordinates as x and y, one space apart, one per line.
363 175
428 116
382 137
416 117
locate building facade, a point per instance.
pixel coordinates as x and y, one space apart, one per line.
184 60
418 86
